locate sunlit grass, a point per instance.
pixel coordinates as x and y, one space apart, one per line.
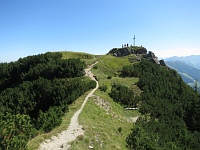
101 129
87 58
108 71
110 65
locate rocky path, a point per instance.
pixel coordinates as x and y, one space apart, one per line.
61 142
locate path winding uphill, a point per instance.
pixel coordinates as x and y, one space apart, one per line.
61 141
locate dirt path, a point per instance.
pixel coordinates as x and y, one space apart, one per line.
61 141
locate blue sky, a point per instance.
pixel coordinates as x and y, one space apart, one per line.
166 27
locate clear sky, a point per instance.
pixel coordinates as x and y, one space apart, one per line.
166 27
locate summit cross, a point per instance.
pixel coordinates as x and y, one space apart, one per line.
134 41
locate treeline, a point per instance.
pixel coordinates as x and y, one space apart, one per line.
48 65
170 110
34 95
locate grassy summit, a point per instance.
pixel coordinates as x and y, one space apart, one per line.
87 58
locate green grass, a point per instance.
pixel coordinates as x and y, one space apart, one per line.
129 82
87 58
116 107
101 129
110 66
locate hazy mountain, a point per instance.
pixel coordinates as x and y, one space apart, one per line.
193 60
188 73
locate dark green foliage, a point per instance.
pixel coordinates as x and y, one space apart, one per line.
140 139
138 69
123 95
170 109
95 67
50 119
109 77
15 131
33 97
119 129
103 88
38 88
48 65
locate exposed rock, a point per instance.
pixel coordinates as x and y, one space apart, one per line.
125 51
91 147
138 51
162 63
151 57
122 52
102 103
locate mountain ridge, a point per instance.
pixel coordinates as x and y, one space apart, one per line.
188 67
193 60
168 108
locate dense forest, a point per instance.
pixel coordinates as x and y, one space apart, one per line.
35 92
169 109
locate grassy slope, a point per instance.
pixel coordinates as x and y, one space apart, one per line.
101 128
111 66
88 58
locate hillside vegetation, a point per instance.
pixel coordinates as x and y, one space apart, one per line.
85 57
102 118
170 110
35 93
39 93
108 72
116 111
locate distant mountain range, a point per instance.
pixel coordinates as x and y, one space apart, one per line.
193 60
188 67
